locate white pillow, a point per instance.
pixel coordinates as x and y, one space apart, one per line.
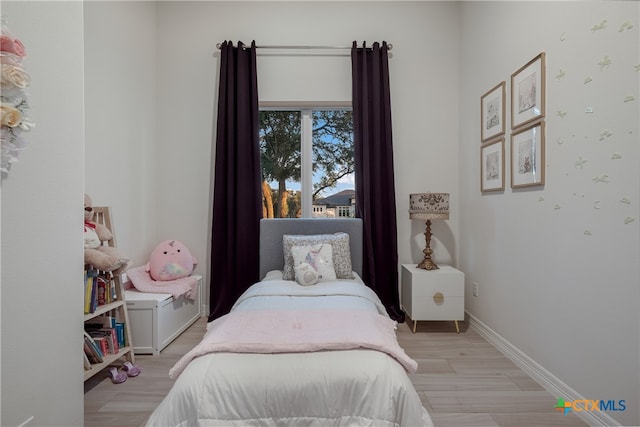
306 275
339 244
319 256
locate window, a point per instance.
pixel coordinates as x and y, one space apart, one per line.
307 162
345 211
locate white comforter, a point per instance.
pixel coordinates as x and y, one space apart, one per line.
356 387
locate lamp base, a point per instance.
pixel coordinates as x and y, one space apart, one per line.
428 264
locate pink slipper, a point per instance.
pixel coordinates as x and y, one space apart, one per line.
117 377
131 369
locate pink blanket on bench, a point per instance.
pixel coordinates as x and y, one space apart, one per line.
291 331
142 281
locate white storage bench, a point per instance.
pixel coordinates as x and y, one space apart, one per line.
157 319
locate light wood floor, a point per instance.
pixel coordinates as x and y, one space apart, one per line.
462 381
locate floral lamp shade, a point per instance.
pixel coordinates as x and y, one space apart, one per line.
429 206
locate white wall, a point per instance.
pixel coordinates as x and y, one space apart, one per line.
122 162
424 92
557 266
41 226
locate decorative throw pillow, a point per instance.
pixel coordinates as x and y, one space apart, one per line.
339 245
320 257
306 275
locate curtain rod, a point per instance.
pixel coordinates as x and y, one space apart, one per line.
219 46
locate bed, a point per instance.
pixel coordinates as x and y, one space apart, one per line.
291 355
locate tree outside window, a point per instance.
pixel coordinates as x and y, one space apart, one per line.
283 144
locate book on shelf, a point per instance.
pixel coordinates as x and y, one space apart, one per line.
112 288
120 333
86 302
102 343
102 297
90 353
87 363
92 349
94 294
108 339
106 326
88 286
99 289
114 346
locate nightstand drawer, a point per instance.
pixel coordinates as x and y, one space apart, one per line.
447 285
422 283
429 308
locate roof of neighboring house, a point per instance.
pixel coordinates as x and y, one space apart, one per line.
342 198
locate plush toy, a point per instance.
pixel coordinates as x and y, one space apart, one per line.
100 257
170 260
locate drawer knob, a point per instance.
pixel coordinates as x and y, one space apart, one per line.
438 298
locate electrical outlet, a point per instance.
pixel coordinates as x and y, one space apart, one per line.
475 289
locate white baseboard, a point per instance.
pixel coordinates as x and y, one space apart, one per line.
542 376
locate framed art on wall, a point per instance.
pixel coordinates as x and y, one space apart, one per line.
528 92
492 166
492 112
527 156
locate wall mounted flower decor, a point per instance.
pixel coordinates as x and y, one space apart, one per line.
14 103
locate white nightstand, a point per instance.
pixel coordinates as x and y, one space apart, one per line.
433 294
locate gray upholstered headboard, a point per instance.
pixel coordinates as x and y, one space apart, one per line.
272 230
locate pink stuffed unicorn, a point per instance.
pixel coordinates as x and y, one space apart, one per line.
168 271
170 260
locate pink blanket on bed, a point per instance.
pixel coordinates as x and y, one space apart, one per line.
270 331
142 281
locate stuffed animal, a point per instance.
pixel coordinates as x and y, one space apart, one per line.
100 257
170 260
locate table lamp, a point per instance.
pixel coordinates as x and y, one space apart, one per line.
425 207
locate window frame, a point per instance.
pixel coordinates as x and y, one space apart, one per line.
306 144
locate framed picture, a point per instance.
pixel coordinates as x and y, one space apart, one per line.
528 92
492 112
492 166
527 156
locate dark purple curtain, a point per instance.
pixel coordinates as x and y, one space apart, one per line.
375 192
237 204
